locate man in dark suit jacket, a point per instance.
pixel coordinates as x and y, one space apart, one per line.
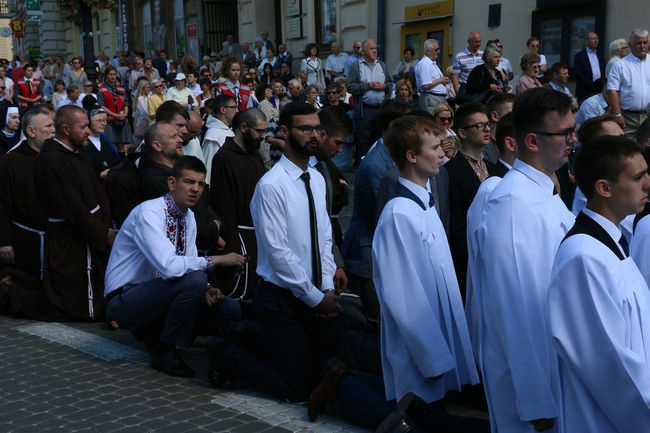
246 55
582 68
466 172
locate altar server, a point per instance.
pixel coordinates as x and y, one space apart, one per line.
425 343
523 223
598 299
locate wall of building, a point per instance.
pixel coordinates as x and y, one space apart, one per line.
6 44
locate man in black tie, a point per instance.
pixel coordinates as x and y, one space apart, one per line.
295 302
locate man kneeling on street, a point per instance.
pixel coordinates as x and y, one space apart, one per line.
155 282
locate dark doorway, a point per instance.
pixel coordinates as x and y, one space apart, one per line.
220 18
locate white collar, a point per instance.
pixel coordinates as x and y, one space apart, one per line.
541 179
612 229
421 192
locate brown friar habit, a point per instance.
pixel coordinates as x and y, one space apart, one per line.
22 226
76 246
235 173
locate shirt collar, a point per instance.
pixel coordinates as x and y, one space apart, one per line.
292 169
66 146
173 210
421 192
535 175
508 166
611 228
313 161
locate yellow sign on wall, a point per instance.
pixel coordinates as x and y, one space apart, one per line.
429 10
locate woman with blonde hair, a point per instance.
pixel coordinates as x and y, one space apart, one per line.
141 113
443 115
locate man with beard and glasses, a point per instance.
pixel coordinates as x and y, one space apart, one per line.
295 302
236 169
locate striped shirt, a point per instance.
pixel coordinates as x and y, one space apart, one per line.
464 62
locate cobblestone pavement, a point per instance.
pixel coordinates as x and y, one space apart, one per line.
85 378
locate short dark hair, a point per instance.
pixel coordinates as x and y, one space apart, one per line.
602 158
592 128
499 100
557 67
295 109
249 116
531 106
168 110
465 111
187 162
65 116
335 121
152 133
307 52
409 50
219 101
505 128
391 110
29 117
405 133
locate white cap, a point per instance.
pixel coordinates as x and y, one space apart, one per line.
179 77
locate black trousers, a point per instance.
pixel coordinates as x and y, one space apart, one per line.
299 345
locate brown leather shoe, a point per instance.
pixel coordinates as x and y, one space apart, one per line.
327 390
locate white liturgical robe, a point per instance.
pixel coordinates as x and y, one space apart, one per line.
425 346
639 250
599 322
474 218
523 225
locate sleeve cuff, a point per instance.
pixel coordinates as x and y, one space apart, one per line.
313 297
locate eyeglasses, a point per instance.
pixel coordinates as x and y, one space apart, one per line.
357 48
567 134
333 93
308 129
2 88
445 119
479 126
260 131
158 86
230 106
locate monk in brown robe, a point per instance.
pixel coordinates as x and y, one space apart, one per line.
78 234
236 169
23 221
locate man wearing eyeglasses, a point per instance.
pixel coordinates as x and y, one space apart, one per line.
295 300
522 226
218 128
429 79
236 168
466 172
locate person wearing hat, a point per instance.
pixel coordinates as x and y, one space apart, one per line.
181 94
11 131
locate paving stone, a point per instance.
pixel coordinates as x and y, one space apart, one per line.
252 427
225 425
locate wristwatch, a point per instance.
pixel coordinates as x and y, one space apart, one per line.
617 116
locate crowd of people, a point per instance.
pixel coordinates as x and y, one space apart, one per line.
496 251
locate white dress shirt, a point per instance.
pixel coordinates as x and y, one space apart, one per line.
426 71
280 211
631 77
142 251
593 61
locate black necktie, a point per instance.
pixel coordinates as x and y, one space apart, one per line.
626 247
313 229
432 202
